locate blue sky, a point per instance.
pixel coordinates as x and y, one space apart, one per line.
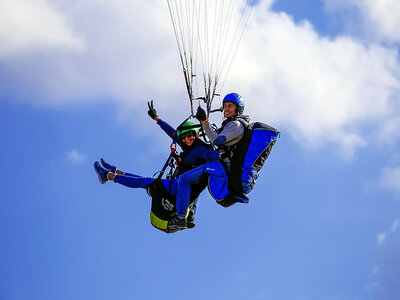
324 218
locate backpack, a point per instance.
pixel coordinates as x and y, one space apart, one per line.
249 156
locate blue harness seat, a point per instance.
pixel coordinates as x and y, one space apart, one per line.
218 185
248 158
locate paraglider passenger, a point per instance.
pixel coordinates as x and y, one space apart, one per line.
194 153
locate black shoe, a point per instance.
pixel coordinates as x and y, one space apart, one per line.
177 223
190 220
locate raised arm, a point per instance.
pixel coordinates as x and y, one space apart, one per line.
168 129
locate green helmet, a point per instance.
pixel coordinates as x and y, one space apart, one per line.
182 129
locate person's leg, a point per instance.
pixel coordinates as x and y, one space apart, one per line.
127 174
130 181
113 169
171 186
136 181
184 182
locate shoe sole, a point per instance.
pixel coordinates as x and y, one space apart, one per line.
101 181
174 227
99 176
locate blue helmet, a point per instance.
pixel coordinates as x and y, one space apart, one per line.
237 99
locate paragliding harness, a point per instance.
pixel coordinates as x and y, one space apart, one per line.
249 156
163 205
163 202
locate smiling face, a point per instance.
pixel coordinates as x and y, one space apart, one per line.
188 138
229 109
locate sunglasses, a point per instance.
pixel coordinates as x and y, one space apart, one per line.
186 135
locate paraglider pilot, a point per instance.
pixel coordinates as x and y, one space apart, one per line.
225 138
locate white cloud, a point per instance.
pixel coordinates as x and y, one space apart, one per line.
379 17
381 237
26 25
390 178
322 91
130 53
75 156
395 226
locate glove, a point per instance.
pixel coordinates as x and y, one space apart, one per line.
152 112
201 114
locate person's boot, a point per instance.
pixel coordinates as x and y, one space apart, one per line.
177 222
190 220
106 165
101 172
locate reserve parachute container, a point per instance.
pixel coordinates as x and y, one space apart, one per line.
249 156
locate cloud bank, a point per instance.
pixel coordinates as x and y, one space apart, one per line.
75 157
337 92
128 52
380 19
29 25
323 90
